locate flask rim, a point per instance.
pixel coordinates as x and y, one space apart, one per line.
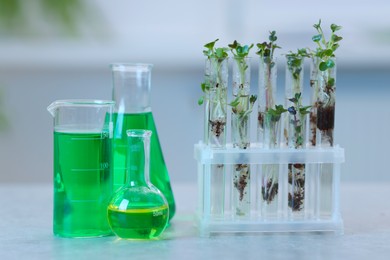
127 66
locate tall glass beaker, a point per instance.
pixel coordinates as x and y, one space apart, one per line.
131 91
82 179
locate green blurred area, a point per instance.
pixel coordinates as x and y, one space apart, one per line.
37 18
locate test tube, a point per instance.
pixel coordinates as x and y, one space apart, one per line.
216 130
241 109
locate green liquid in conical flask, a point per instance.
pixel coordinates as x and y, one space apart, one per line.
159 176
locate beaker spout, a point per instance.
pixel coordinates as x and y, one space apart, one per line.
52 108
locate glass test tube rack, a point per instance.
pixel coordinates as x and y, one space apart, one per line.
320 212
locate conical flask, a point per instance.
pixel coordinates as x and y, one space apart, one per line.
131 91
138 210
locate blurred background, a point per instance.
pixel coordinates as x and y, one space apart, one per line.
61 49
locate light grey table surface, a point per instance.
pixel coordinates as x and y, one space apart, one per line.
26 231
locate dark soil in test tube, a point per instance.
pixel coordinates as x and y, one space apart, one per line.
260 118
313 124
241 182
325 118
217 127
296 198
270 191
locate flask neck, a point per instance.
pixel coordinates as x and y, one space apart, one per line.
131 87
138 157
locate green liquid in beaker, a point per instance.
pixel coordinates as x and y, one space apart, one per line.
158 170
82 184
138 223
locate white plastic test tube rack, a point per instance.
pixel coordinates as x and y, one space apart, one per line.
321 212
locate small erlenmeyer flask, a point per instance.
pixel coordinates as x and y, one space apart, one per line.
138 210
131 91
